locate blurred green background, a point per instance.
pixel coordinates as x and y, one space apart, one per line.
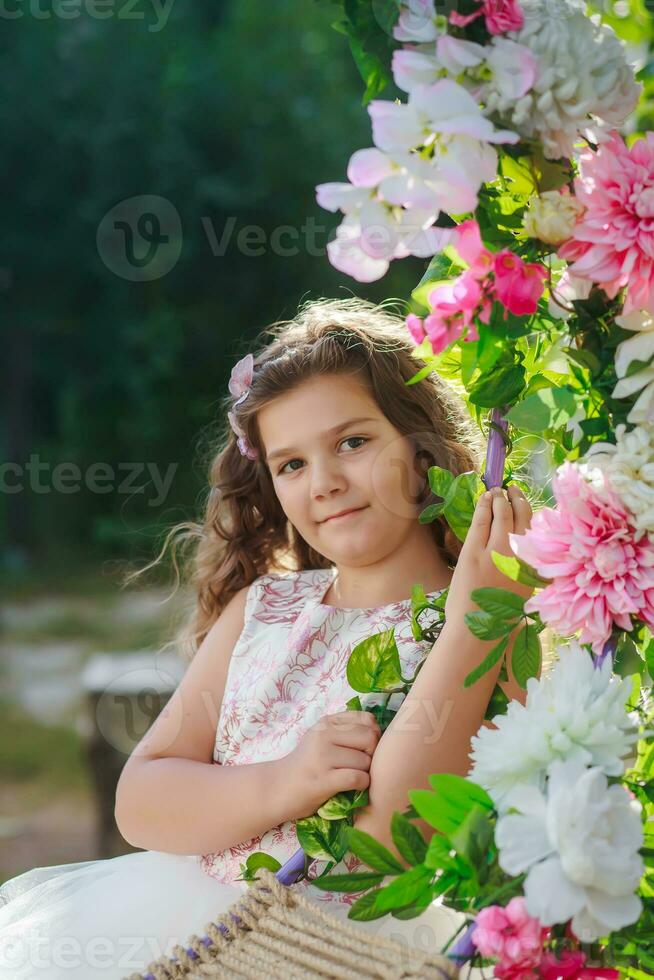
229 113
153 158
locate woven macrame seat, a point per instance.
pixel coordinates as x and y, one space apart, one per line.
285 936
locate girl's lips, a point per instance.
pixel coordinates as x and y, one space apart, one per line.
344 517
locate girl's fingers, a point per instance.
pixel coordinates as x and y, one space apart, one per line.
481 523
522 512
502 523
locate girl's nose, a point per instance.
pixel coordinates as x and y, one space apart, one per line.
326 476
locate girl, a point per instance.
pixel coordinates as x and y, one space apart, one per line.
309 544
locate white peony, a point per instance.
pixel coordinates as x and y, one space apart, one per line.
637 348
583 76
579 846
576 712
629 466
551 216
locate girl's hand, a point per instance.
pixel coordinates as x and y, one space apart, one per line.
496 516
334 755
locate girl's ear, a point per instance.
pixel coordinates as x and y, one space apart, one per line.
421 463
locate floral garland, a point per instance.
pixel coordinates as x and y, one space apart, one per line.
505 167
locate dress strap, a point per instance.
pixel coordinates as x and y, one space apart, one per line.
313 613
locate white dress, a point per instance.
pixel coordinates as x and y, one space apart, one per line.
109 918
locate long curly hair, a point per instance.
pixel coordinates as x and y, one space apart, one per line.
244 532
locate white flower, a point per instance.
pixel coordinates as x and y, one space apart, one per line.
377 227
638 348
435 114
575 712
551 216
583 76
629 466
568 287
418 21
579 846
368 239
501 68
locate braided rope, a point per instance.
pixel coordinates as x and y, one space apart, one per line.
276 933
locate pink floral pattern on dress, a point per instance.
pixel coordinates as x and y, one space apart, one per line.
287 670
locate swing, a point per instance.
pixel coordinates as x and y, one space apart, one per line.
275 933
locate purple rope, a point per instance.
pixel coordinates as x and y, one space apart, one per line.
608 650
290 872
495 451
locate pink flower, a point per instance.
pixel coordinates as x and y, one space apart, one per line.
511 936
613 242
500 16
571 967
602 568
518 284
472 250
455 305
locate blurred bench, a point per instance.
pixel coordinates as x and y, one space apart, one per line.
124 693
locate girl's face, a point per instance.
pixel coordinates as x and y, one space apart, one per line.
330 448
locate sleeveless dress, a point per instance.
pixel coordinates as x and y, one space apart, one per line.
109 918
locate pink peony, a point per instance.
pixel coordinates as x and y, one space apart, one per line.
613 242
602 568
500 16
512 937
518 284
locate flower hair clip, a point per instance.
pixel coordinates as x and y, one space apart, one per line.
239 386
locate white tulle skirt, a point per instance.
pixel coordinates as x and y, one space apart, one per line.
103 920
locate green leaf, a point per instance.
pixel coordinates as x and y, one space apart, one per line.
417 907
473 840
439 854
526 655
259 859
486 627
364 909
339 806
404 890
464 493
487 663
517 570
649 658
452 798
440 481
319 838
372 853
548 408
407 839
499 386
374 664
354 704
497 705
460 790
348 883
501 603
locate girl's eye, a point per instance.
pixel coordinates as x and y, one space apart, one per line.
360 439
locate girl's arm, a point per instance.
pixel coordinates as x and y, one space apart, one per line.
432 730
171 796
